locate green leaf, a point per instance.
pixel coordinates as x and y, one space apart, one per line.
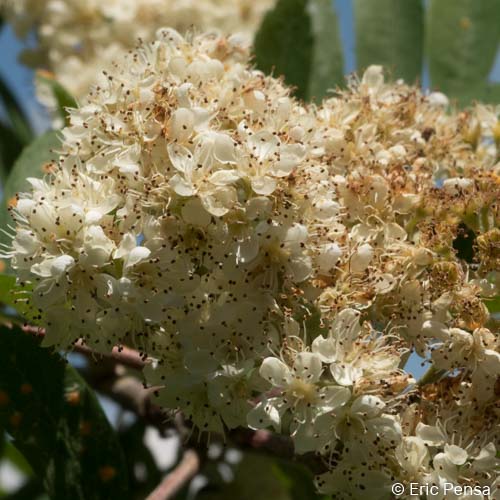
31 163
284 44
328 62
299 40
297 479
277 479
462 40
14 456
62 97
490 93
7 284
484 92
245 485
493 305
390 33
57 423
17 117
10 149
10 292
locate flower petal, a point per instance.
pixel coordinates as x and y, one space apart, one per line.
345 373
333 397
307 366
367 406
430 434
455 454
181 186
264 415
137 255
275 371
264 185
326 349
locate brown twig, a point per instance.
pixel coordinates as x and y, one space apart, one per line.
276 445
129 391
122 355
262 440
182 474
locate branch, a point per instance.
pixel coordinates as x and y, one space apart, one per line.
129 391
275 445
131 394
263 440
173 482
122 355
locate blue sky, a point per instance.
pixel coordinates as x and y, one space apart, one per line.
19 77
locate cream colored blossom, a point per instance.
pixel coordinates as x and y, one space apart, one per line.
77 37
278 262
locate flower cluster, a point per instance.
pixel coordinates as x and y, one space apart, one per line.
278 263
76 37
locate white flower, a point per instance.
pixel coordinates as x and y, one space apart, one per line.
299 392
373 78
438 99
54 268
361 258
352 481
276 261
349 354
358 424
97 246
328 257
430 435
229 391
279 248
413 456
476 352
76 36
